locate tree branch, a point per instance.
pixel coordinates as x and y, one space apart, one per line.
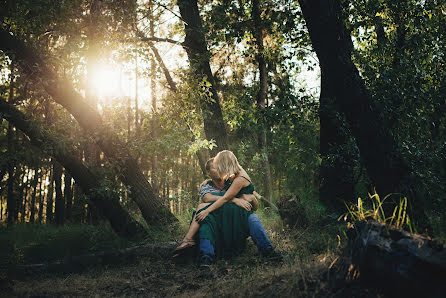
172 84
142 37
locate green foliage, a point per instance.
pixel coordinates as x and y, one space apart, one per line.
400 53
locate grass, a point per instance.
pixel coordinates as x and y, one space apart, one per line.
36 243
32 244
399 219
308 253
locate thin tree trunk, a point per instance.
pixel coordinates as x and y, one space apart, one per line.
41 197
136 96
20 188
78 207
154 133
50 200
25 196
261 99
378 149
68 194
32 207
11 199
198 54
60 203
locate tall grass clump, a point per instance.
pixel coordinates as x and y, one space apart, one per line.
399 218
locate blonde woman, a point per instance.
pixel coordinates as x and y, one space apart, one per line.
228 169
211 190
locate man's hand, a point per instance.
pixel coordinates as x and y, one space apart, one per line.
242 203
204 183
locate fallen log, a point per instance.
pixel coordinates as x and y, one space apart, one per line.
397 261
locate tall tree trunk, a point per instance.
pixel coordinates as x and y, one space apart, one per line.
154 133
25 196
78 206
198 54
336 178
32 206
378 149
60 202
136 95
11 199
63 93
49 199
20 188
92 153
261 99
41 197
68 194
106 201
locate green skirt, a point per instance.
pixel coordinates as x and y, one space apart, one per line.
227 229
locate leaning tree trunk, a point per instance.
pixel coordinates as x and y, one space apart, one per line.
261 99
62 91
92 184
198 54
378 149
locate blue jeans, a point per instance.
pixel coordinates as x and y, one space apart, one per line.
256 230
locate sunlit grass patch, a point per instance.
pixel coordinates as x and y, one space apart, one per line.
399 218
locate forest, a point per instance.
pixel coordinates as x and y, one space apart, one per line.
110 109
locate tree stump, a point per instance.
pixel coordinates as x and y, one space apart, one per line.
397 261
292 211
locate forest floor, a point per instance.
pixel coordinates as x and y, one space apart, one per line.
313 266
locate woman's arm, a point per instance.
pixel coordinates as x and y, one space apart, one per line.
237 184
241 202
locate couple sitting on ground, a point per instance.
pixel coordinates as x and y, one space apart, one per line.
222 229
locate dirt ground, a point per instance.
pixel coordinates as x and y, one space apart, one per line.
244 276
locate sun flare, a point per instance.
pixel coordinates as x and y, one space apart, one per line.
106 81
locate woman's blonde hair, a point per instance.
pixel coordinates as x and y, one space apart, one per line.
226 164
